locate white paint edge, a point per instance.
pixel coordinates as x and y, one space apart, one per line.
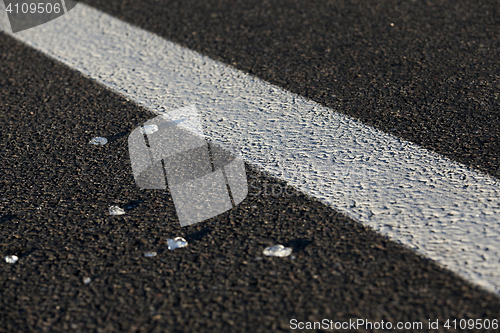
436 206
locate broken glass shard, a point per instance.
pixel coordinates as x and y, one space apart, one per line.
115 210
11 259
99 141
175 243
86 280
277 251
150 254
149 129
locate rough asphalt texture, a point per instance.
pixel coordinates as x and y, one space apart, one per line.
55 188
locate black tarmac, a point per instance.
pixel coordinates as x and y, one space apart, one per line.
56 188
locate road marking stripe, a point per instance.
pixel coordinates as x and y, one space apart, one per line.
438 207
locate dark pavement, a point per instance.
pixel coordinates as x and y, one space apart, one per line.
55 188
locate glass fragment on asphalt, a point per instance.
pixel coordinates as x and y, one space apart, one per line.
177 242
149 129
86 280
150 254
115 210
277 251
11 259
98 141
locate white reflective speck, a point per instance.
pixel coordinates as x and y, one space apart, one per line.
177 242
115 210
150 254
149 129
86 280
99 141
277 251
11 259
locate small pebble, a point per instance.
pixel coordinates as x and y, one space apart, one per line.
277 251
99 141
115 210
175 243
150 254
11 259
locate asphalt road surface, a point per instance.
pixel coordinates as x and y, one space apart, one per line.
425 71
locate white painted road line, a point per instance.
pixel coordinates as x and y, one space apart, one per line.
438 207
